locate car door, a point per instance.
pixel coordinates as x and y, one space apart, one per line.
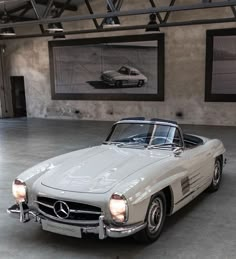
133 77
198 163
194 167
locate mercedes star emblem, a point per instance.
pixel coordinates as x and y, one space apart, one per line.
61 209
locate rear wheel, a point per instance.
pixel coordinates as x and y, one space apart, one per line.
155 219
217 176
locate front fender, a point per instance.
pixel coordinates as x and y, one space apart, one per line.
140 190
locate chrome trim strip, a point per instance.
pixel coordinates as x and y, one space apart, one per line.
74 222
196 181
86 212
193 176
44 204
186 196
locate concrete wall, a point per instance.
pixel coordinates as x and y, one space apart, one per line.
184 78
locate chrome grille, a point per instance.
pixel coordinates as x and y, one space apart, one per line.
77 212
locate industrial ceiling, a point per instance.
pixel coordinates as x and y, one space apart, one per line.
43 13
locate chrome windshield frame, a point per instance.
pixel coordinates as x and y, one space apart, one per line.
154 123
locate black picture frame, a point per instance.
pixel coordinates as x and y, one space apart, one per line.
160 51
210 96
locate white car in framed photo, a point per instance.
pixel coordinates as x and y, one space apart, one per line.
124 76
144 171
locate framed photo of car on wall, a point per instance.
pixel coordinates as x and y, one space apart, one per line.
109 68
221 66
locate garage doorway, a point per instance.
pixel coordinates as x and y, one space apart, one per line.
18 96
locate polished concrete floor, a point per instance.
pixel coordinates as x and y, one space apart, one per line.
204 229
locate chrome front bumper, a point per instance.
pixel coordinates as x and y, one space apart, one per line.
25 214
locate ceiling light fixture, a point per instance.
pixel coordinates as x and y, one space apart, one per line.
109 22
152 25
9 31
55 27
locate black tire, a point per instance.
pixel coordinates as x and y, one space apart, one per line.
217 176
118 83
155 218
140 83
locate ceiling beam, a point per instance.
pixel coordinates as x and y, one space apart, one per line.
20 18
64 7
28 5
157 14
233 10
91 12
111 6
16 9
174 8
126 28
34 6
25 10
119 4
70 7
12 1
48 8
168 13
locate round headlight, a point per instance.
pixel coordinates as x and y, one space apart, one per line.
19 190
118 208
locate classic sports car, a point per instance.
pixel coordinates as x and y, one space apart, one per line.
144 171
126 75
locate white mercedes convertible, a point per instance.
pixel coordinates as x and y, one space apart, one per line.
144 171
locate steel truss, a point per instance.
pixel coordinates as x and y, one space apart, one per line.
113 10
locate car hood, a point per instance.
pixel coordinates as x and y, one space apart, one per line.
111 73
99 169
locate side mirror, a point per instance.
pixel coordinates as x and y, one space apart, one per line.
178 151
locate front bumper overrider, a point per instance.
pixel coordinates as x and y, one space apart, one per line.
22 212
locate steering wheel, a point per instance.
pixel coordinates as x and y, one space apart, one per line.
140 140
163 140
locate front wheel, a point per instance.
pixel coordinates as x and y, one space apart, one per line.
118 83
155 219
217 176
140 83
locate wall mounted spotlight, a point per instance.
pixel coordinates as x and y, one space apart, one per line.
152 25
55 27
111 21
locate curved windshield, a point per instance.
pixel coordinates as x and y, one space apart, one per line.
131 133
145 134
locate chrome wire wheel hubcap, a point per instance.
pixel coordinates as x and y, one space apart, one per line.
217 173
155 215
